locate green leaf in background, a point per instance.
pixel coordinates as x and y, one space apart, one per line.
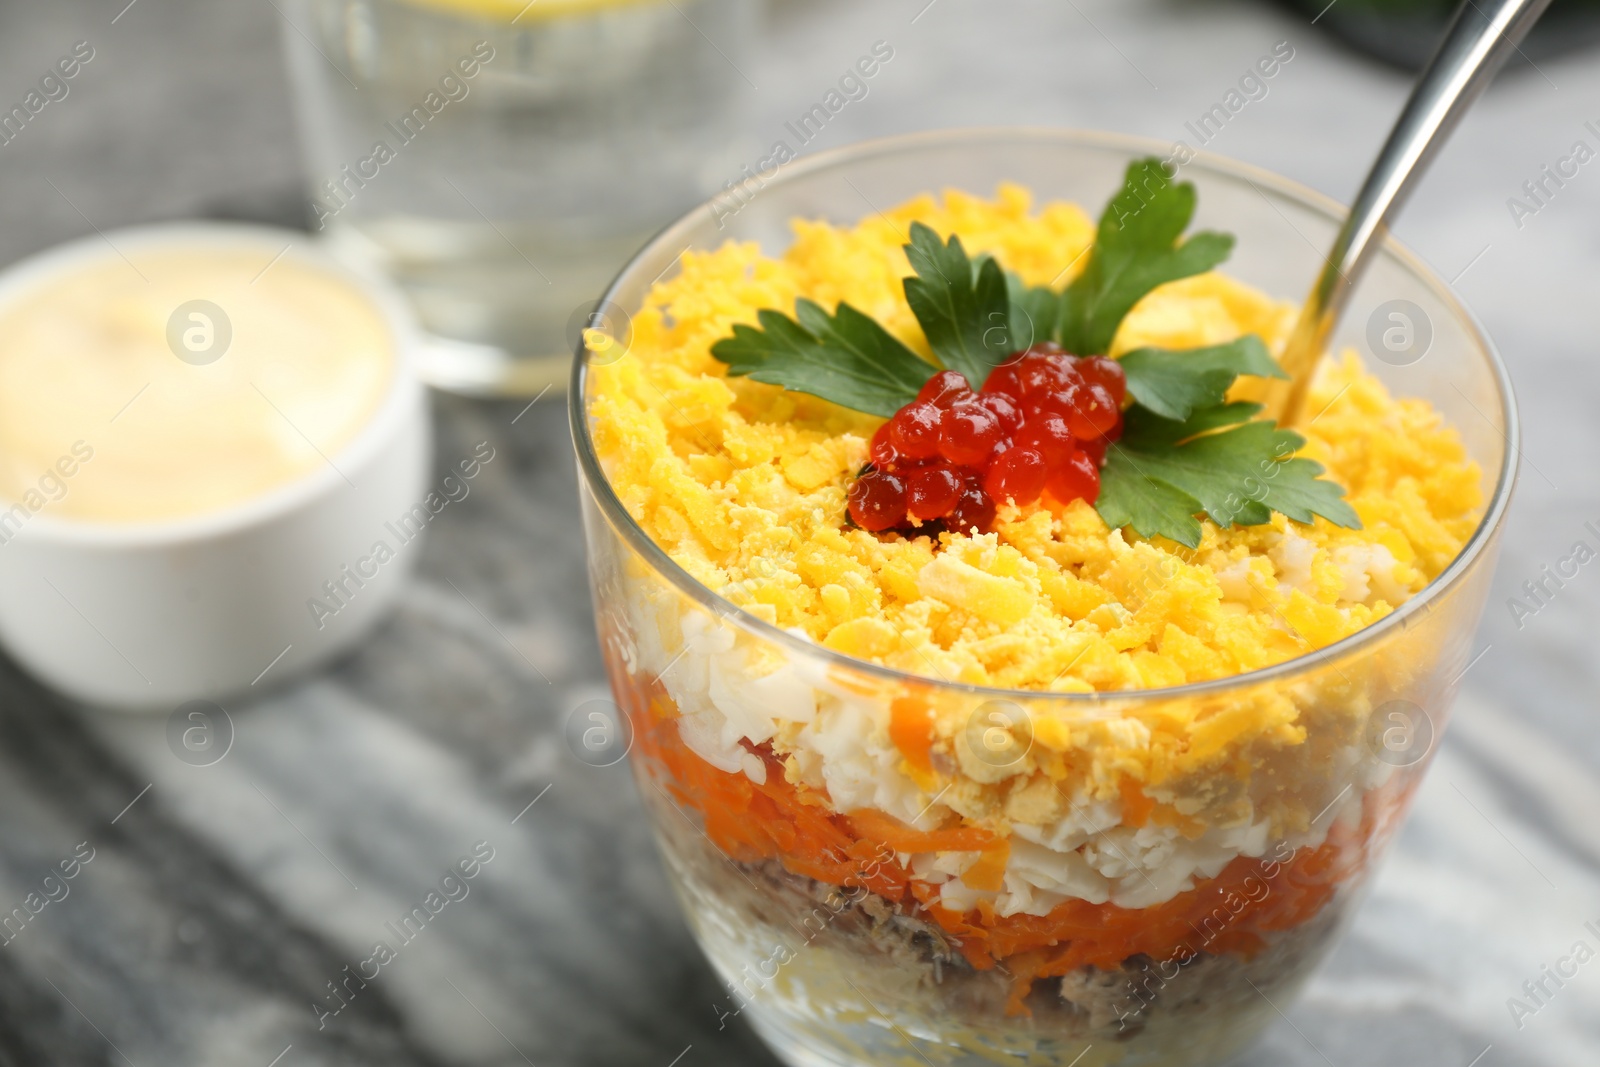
1221 462
845 357
1173 383
1135 250
964 310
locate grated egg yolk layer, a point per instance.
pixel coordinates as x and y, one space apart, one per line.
744 484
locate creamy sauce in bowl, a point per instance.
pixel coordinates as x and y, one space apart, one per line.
181 381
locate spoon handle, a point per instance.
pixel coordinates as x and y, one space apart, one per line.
1480 38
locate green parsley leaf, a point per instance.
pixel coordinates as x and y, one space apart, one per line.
1174 383
1135 250
1034 311
1220 462
963 307
845 357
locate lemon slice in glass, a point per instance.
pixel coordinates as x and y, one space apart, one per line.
522 11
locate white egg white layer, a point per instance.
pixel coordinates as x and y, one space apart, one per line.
731 694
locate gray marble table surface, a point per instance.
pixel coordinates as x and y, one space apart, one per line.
222 899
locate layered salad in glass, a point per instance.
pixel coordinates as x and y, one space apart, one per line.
1019 767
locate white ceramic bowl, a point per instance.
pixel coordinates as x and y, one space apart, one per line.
154 614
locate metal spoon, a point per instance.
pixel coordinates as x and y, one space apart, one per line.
1480 38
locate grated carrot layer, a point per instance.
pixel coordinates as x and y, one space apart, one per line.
777 819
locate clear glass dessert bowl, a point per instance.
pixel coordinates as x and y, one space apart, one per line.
849 894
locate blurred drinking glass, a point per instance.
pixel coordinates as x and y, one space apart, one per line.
501 159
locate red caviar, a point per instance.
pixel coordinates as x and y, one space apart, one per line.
1041 424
